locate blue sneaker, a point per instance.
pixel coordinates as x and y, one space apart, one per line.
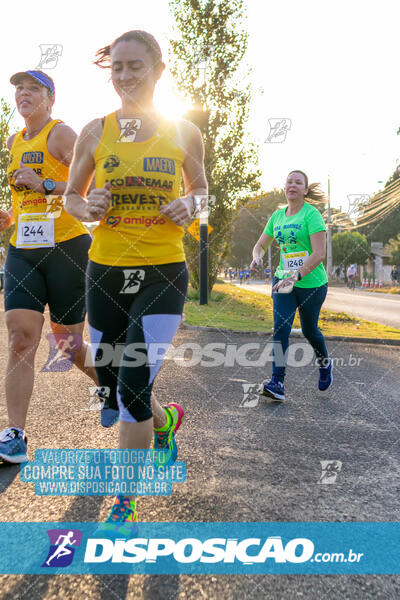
108 416
274 389
13 445
325 377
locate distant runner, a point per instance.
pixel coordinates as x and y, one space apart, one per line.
300 281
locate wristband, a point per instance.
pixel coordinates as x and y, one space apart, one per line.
196 206
298 275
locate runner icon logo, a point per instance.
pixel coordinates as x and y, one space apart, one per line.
54 206
62 351
251 393
98 396
357 203
278 129
129 127
330 470
133 277
62 547
50 54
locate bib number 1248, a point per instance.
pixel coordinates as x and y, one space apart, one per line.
295 262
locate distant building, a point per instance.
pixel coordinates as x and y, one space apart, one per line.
381 265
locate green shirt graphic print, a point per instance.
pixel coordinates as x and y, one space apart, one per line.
293 237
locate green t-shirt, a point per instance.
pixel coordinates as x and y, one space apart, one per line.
293 236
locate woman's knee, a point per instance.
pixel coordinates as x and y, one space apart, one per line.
311 334
22 340
24 333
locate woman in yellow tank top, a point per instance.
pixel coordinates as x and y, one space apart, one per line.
47 255
137 276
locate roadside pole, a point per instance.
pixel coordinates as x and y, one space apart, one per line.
204 255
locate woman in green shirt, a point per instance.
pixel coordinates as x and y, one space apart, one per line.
300 282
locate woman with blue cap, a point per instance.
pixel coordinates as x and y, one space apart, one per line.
47 255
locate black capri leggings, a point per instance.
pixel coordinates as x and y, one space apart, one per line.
133 313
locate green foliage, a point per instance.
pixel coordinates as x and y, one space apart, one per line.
5 193
211 32
350 247
249 223
394 249
194 295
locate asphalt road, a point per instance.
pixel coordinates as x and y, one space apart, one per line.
381 308
259 463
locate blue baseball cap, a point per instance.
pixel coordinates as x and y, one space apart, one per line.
39 76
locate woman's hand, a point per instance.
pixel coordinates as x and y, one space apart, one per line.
98 202
179 210
287 283
27 176
5 220
256 263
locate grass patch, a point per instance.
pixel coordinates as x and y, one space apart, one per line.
233 307
393 290
230 307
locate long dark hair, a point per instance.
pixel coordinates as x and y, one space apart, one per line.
103 55
315 194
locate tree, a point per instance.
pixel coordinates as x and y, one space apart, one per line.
5 193
350 247
248 225
394 249
205 59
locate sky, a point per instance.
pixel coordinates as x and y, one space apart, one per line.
326 71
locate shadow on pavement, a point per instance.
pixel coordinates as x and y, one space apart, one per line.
159 587
36 586
8 473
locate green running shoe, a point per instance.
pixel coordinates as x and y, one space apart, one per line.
121 522
165 439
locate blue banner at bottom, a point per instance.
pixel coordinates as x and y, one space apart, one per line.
202 548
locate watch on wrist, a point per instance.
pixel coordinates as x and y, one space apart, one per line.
48 186
298 274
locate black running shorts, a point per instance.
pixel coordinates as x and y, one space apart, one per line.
54 276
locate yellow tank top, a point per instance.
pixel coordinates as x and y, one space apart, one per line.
144 176
33 153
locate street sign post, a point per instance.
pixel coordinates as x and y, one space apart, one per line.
200 229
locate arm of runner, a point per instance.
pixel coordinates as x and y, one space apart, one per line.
263 243
60 144
27 176
7 216
195 182
10 141
97 202
318 243
6 219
